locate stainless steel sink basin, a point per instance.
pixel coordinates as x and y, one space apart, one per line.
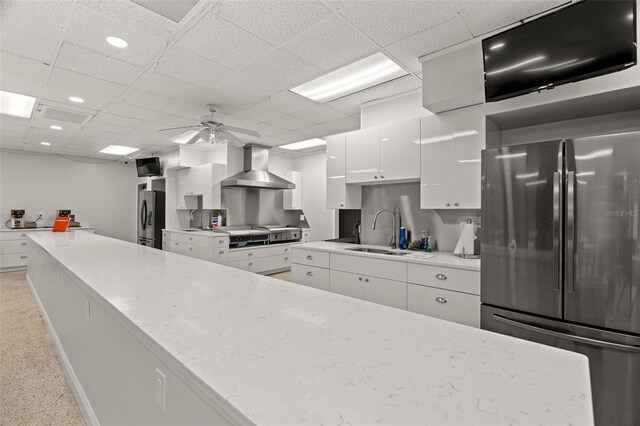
376 251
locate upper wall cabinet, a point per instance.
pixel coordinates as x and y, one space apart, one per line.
454 79
201 181
339 194
387 153
451 144
292 198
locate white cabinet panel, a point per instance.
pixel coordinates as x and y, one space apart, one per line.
220 241
339 194
363 155
436 181
347 284
252 265
306 236
468 143
280 250
444 304
202 252
454 279
184 200
221 255
15 235
245 254
385 292
166 245
389 269
400 150
310 276
13 246
310 257
292 198
280 262
12 260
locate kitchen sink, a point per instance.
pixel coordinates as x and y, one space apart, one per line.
376 251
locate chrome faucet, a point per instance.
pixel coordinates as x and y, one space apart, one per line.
393 234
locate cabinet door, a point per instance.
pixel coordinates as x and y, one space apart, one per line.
444 304
347 284
202 252
400 150
292 198
336 171
436 181
363 156
385 292
209 187
310 276
467 145
183 183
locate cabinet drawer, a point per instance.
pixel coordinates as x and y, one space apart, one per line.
252 265
311 258
447 278
11 260
14 235
166 245
179 248
220 241
202 253
280 262
198 240
444 304
311 276
221 255
235 255
346 284
280 250
389 269
14 246
166 236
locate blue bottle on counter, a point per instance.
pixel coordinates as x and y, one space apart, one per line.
403 238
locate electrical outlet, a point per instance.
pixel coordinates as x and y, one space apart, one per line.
301 217
161 391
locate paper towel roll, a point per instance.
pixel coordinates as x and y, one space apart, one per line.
466 239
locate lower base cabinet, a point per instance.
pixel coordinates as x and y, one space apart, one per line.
347 284
311 276
448 305
372 289
256 265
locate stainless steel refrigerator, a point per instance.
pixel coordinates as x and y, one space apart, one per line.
150 218
561 257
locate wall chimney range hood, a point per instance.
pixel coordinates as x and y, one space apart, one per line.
255 173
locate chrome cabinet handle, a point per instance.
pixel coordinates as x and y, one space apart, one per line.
24 256
441 300
175 244
447 204
441 277
250 263
309 257
221 252
366 280
23 235
381 177
190 248
286 258
341 205
221 241
286 249
456 204
359 278
250 254
309 273
375 177
190 239
23 244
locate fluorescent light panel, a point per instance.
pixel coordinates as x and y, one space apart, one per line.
310 143
16 104
368 72
118 150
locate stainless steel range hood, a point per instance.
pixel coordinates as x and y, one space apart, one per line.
255 173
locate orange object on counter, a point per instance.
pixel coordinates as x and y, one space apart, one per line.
61 224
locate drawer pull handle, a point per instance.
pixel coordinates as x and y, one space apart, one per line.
456 204
381 177
441 300
221 241
23 244
447 204
23 256
359 278
366 280
23 235
221 252
175 244
309 273
250 263
286 249
286 258
309 257
441 277
190 248
250 254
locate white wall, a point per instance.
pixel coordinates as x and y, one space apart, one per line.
314 195
100 194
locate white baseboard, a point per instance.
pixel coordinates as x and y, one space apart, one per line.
80 397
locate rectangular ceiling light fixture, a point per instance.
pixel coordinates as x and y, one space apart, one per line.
16 104
118 150
309 143
363 74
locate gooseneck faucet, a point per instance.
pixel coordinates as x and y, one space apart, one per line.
393 233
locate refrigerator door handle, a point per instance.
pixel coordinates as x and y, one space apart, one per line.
557 217
570 232
577 339
143 215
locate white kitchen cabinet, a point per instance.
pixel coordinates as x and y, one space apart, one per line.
280 262
200 181
347 284
462 280
319 259
400 150
385 292
256 265
292 198
451 145
247 254
221 255
340 195
363 155
306 236
448 305
311 276
185 198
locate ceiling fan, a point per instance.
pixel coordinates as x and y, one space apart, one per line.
211 129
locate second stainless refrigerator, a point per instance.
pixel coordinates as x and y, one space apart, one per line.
561 256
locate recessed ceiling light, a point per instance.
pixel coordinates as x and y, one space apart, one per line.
16 104
310 143
117 42
45 143
368 72
118 150
76 99
54 127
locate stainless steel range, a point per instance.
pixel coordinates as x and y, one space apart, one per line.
243 235
280 233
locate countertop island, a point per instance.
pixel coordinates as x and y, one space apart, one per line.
263 351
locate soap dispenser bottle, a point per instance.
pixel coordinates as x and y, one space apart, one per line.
403 238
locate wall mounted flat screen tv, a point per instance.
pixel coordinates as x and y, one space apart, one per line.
584 40
148 167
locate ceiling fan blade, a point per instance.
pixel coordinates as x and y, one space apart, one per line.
178 128
203 134
241 130
228 136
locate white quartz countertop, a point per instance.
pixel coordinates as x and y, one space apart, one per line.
45 228
283 353
435 258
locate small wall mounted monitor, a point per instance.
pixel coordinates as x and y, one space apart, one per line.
148 167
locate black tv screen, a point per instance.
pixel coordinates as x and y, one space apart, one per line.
148 167
584 40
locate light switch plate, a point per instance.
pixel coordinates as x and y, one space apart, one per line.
301 217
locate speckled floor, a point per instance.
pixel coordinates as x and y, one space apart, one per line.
33 387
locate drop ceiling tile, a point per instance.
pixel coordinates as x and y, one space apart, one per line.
317 130
96 93
189 67
237 121
37 135
395 87
99 126
118 120
267 129
388 21
343 124
242 86
43 123
436 38
142 99
22 75
223 42
331 43
291 122
10 120
350 104
282 69
319 114
131 111
273 21
259 113
90 29
186 110
83 61
292 136
288 102
33 28
11 142
167 121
